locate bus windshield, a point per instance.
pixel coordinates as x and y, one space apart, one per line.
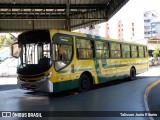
35 52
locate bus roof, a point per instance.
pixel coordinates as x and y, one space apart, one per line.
97 37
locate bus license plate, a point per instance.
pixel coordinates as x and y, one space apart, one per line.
27 85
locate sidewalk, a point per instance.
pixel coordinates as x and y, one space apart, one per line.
8 68
153 71
8 81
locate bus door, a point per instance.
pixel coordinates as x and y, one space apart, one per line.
62 57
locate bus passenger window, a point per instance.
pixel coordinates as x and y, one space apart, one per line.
115 50
145 52
62 51
84 49
134 51
126 51
102 50
141 51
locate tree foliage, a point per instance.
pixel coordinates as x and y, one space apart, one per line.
156 53
5 41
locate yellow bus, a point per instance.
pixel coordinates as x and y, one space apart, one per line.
57 60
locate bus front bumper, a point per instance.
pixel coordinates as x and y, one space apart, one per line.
43 85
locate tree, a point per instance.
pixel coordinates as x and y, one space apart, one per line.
156 53
5 42
2 39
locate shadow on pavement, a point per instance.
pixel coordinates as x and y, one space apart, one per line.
8 87
75 91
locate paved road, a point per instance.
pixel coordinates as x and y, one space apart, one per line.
154 100
114 96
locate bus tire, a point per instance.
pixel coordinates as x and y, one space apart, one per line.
84 83
132 74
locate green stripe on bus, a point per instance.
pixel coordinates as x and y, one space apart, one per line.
97 67
76 70
97 37
65 85
89 36
71 84
104 63
104 66
123 65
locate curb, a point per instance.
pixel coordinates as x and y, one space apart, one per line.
148 89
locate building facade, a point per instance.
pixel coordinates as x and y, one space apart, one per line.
120 30
107 31
155 30
150 24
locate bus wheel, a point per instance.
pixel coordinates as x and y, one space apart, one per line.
132 74
84 83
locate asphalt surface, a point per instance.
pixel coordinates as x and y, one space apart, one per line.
117 96
154 100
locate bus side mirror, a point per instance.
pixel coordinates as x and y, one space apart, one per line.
14 50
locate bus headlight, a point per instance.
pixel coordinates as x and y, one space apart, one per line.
46 77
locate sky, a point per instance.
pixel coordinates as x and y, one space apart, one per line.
132 11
